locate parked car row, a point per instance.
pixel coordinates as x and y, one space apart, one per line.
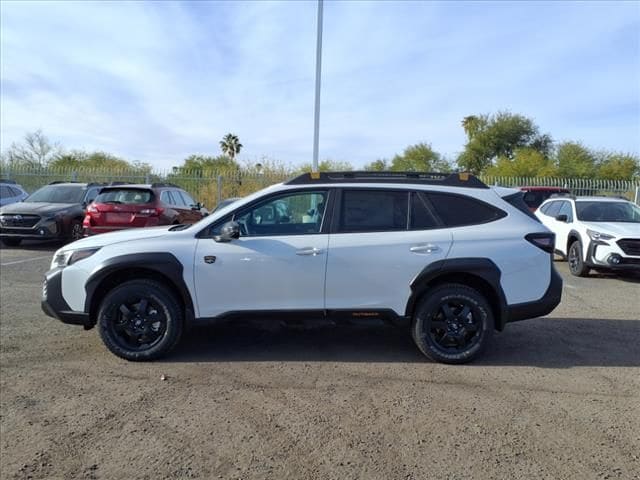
69 211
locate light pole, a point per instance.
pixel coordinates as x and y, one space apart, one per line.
316 120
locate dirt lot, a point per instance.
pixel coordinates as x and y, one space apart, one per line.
556 397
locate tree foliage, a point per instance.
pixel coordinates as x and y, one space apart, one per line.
230 145
619 166
415 158
78 159
328 165
526 162
490 137
34 150
574 160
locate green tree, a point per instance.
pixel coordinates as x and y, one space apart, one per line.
419 158
574 160
619 166
490 137
230 145
78 159
526 162
328 165
379 165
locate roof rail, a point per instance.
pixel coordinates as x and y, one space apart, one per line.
164 184
424 178
62 181
562 195
116 183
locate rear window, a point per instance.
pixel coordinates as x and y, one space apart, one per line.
125 196
458 210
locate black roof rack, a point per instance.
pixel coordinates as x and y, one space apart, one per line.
426 178
90 184
114 184
164 184
4 180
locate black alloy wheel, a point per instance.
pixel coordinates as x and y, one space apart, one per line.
576 264
140 320
453 324
76 231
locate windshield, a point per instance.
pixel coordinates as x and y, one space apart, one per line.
58 194
125 195
608 212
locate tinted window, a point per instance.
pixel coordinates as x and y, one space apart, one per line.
552 209
422 215
15 191
565 209
93 193
124 195
457 210
5 192
533 199
608 212
373 211
293 214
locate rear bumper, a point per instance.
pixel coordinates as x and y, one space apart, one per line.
541 307
53 303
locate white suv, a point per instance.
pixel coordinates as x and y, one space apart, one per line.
444 254
594 232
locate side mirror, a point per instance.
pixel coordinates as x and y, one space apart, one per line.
562 218
228 232
197 206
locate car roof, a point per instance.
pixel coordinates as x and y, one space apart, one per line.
601 199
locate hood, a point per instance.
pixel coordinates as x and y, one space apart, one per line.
119 236
37 208
619 229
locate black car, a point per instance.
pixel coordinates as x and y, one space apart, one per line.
54 212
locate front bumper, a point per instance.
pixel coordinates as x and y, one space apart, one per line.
607 255
54 305
46 229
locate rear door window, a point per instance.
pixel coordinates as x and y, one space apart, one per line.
422 213
459 210
177 197
373 211
167 198
565 209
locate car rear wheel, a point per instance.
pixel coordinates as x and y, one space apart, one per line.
453 324
11 242
140 320
576 262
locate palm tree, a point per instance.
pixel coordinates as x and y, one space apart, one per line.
230 145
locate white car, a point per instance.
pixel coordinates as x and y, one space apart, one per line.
444 254
594 232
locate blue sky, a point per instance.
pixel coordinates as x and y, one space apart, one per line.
157 81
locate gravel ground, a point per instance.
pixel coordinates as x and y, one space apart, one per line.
555 397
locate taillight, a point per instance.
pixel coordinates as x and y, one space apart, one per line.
544 241
151 212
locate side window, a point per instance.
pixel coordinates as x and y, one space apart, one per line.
187 198
565 209
458 210
292 214
422 215
178 198
373 211
14 192
167 198
91 195
5 192
553 209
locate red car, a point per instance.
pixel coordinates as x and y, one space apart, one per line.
534 196
134 205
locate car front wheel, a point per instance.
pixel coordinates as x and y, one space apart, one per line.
453 324
140 320
576 262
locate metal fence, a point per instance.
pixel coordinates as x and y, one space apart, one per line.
209 187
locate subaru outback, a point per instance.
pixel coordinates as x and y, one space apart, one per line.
442 254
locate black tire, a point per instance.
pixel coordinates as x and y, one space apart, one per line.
11 242
75 231
452 324
140 320
576 263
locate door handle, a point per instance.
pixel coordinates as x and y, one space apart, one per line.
425 248
310 251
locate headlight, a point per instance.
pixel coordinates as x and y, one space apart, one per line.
69 257
593 235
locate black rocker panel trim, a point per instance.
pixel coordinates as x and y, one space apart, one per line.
481 268
161 262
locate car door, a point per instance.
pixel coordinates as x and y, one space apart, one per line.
560 228
380 240
278 263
